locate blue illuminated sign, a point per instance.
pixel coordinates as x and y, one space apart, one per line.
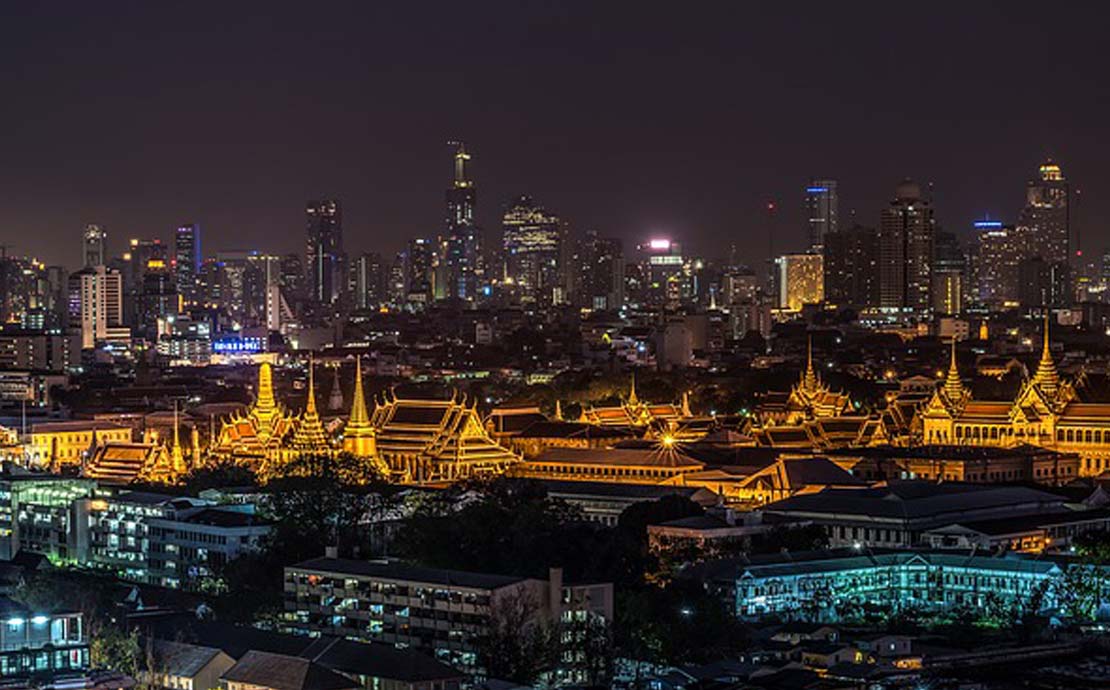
816 190
237 345
988 223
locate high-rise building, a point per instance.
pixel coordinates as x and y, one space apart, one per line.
1044 227
822 212
1000 251
533 242
801 280
949 275
324 256
851 267
95 303
419 272
602 273
906 236
461 244
93 241
1046 216
186 265
1042 283
367 281
660 279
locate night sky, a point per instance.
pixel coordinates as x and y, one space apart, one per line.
634 119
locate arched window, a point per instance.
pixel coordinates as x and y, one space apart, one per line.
1071 435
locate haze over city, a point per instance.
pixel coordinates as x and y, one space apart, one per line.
631 120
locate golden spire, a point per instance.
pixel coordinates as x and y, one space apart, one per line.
686 404
310 406
177 458
632 399
953 384
359 416
358 436
264 402
310 435
810 382
558 410
1047 378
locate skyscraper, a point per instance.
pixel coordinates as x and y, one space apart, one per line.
801 280
822 211
366 281
419 272
1044 228
533 241
324 253
461 243
95 303
948 275
187 260
852 267
602 269
999 253
93 240
906 236
1045 216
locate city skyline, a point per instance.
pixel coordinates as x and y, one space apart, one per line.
141 167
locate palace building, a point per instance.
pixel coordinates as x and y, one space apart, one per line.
634 413
810 399
427 441
1048 412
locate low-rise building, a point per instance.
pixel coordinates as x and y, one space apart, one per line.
828 585
45 646
898 513
443 612
59 444
37 513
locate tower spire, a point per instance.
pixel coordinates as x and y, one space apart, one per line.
265 398
953 384
359 416
558 410
632 399
310 406
177 457
1047 378
810 382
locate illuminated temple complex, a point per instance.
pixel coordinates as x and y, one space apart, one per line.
408 440
1048 412
633 412
812 415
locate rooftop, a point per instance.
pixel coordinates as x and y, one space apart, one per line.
392 570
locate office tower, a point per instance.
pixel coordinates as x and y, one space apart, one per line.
801 280
419 273
367 281
1042 283
324 257
1044 227
851 266
533 242
293 279
906 236
141 256
1045 217
739 285
602 273
395 281
460 246
822 212
158 303
210 282
93 241
95 303
1000 250
660 280
948 275
186 265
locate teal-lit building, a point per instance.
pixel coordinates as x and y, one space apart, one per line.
37 513
43 647
828 585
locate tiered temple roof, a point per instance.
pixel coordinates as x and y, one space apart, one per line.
309 435
436 440
633 412
809 399
260 432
